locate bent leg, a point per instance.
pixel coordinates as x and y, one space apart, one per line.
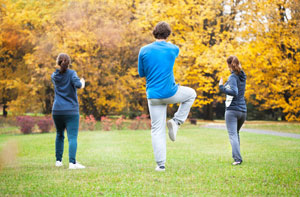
186 97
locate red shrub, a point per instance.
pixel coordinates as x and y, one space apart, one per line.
45 124
141 122
90 122
119 123
106 123
26 123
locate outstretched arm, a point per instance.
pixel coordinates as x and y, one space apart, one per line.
76 81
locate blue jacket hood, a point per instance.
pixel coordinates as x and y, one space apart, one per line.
242 76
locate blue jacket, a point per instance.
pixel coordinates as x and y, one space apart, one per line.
65 89
156 61
234 89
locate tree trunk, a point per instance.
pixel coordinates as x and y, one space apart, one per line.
4 110
208 112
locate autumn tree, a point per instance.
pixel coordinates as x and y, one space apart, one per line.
271 57
204 32
101 38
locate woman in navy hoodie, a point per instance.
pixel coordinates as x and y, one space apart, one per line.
65 110
236 110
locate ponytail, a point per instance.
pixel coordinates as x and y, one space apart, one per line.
63 60
234 64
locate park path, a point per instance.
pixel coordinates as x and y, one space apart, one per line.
259 131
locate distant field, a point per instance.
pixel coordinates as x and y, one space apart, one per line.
120 163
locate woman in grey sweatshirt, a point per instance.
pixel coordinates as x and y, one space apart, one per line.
236 110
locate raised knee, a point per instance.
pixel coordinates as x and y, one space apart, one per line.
194 93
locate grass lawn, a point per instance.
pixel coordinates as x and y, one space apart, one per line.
287 127
122 163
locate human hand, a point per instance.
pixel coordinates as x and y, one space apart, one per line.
82 82
221 81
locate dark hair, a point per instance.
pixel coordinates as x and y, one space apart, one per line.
162 30
63 60
234 64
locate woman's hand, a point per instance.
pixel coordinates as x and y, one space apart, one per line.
82 82
221 81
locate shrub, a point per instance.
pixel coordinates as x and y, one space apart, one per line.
193 121
119 123
90 122
26 123
106 123
141 122
45 124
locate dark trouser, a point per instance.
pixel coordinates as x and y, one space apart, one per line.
71 123
234 122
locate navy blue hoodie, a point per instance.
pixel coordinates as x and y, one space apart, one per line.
65 88
234 89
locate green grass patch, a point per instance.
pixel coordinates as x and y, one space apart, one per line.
122 163
285 127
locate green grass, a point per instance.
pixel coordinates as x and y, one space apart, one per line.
285 127
121 163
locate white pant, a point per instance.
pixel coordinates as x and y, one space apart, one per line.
158 113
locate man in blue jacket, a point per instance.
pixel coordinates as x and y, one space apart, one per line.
155 62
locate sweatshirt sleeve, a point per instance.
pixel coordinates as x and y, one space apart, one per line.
141 65
76 81
231 87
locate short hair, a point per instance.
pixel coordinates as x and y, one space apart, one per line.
234 64
162 30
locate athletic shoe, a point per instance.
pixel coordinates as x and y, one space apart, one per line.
173 127
58 164
237 163
77 165
160 168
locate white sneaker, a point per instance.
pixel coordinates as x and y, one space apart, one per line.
160 168
58 164
173 127
76 166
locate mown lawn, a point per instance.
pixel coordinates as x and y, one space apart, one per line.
120 163
286 127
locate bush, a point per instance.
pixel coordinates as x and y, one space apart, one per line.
119 123
90 122
45 124
26 123
193 121
106 123
141 122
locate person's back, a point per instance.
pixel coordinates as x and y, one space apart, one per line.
65 110
156 64
156 61
65 89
